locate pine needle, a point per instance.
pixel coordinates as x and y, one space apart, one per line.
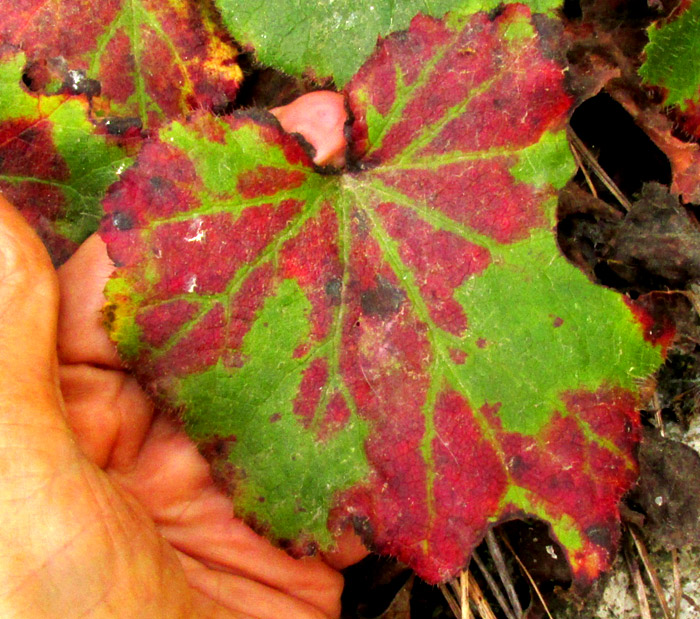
464 594
467 589
651 571
657 414
476 595
638 581
529 577
497 556
591 161
580 166
493 586
451 602
677 589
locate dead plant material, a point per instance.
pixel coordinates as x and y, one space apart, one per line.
503 573
650 569
637 580
525 571
493 587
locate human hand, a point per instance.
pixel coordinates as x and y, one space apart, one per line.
106 508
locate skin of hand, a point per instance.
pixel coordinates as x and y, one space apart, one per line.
106 508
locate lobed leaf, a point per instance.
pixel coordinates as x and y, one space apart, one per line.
54 166
333 39
150 60
400 346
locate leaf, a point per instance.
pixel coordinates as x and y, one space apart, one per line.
668 468
332 39
673 57
152 60
656 243
401 345
54 166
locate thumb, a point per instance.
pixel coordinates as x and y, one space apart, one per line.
30 403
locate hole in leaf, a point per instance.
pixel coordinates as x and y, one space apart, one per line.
264 87
572 9
589 226
372 585
623 150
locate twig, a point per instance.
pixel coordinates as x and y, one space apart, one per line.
636 575
476 595
638 581
657 413
651 571
677 589
497 556
580 166
596 167
529 577
464 594
690 601
493 586
451 602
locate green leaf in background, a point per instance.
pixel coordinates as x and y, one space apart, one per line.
673 56
332 38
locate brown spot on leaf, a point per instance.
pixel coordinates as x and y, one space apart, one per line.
122 221
384 300
122 126
333 289
77 83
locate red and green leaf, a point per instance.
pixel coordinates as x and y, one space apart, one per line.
54 166
400 346
151 60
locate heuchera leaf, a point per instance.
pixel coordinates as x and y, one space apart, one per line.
153 60
333 39
401 345
54 166
673 56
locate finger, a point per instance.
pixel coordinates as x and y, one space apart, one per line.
349 550
109 413
251 599
33 432
320 117
172 481
28 310
82 337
